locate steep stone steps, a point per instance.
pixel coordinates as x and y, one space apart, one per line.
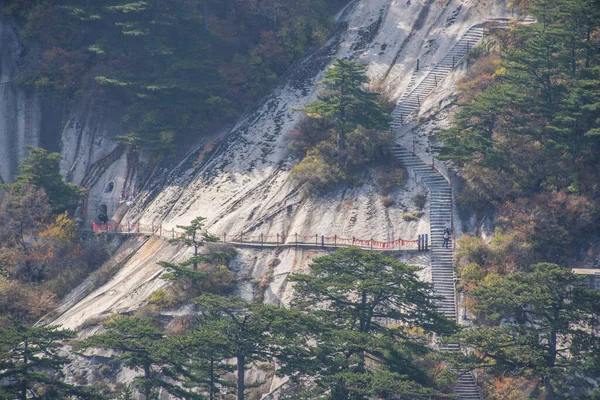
414 96
442 258
440 192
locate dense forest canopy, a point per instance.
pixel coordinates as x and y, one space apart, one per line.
177 68
527 134
526 141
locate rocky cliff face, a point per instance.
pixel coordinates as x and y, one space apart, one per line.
93 159
243 183
20 109
240 180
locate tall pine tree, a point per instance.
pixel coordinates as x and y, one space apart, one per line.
31 364
367 303
345 102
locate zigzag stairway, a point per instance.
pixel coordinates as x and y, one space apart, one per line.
440 191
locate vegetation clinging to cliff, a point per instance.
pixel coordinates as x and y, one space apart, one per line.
527 131
526 137
173 69
345 130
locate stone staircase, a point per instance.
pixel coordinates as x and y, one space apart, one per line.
440 203
415 95
442 262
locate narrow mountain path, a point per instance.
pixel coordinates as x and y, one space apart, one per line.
442 258
415 95
440 205
440 194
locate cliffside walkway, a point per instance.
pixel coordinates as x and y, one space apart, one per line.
273 241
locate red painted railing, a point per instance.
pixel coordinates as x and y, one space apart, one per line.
260 239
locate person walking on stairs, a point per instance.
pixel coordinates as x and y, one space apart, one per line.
446 238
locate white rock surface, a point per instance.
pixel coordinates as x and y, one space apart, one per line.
243 183
138 278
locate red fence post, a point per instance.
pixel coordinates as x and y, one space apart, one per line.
353 240
335 241
371 243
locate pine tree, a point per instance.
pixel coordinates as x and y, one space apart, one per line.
41 170
203 354
345 102
251 332
194 235
542 106
31 365
139 340
352 293
536 324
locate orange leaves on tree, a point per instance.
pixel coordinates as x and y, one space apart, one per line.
65 68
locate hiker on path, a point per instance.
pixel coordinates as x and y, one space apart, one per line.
103 218
446 238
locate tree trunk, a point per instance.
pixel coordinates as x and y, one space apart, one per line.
212 380
25 373
241 361
588 50
342 134
548 388
147 388
342 140
196 245
552 344
362 328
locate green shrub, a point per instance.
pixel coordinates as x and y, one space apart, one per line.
324 166
387 201
161 298
316 173
388 177
414 216
470 276
419 201
472 250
